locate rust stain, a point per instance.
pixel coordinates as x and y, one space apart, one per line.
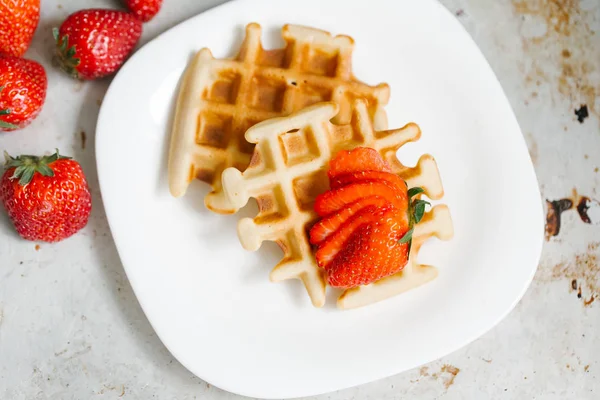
586 368
582 113
562 50
37 247
582 204
83 137
451 372
424 371
553 216
582 272
533 148
582 208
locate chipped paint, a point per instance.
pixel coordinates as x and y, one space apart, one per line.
588 210
450 372
555 208
582 113
582 272
556 31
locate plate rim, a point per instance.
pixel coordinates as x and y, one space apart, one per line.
181 358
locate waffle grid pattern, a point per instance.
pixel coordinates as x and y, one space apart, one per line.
221 99
287 172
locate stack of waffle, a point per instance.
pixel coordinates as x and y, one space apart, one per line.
266 124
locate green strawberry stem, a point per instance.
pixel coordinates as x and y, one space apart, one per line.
65 55
4 124
26 166
416 210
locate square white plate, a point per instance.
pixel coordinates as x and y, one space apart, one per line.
211 302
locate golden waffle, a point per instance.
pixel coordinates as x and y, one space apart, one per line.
220 99
289 169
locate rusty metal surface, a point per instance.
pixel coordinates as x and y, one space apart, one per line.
70 326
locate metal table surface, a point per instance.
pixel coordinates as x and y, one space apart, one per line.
71 327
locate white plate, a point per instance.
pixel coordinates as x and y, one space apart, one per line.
211 302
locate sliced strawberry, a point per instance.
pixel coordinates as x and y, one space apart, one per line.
336 242
356 160
371 253
334 200
325 227
345 179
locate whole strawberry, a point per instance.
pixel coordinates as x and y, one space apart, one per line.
145 10
47 198
23 85
94 43
18 22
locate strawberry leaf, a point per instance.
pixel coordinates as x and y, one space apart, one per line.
7 125
407 236
27 176
416 211
4 124
18 172
419 210
412 192
65 55
45 170
26 166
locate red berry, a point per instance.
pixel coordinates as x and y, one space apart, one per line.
325 227
18 22
336 199
365 216
373 252
46 198
336 242
357 160
23 85
144 10
372 176
95 43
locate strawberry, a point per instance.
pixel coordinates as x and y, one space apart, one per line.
23 85
326 226
335 242
365 232
94 43
18 22
357 160
370 176
47 198
334 200
372 252
144 10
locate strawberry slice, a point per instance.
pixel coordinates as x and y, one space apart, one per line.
325 227
345 179
371 253
334 200
336 242
357 160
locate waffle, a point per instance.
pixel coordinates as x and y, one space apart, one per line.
220 99
289 169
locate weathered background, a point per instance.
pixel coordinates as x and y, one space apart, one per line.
71 328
